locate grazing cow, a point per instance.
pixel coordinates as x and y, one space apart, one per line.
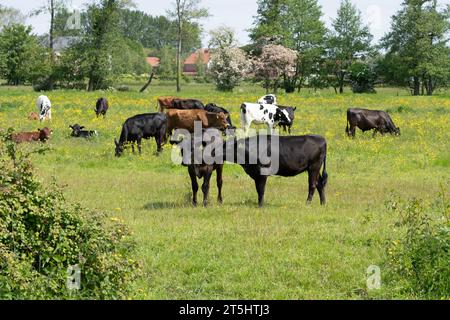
268 99
33 116
291 113
211 107
296 155
144 126
101 108
263 114
44 107
200 171
78 132
39 135
367 120
187 104
165 103
185 119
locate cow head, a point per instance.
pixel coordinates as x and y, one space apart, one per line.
76 128
220 121
119 148
44 110
282 116
268 99
45 134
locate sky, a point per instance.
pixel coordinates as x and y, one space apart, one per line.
238 14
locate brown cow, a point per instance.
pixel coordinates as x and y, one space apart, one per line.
33 116
40 135
165 103
185 119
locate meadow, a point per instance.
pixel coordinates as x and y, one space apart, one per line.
287 250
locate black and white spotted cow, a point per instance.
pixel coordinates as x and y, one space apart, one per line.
268 99
44 107
263 114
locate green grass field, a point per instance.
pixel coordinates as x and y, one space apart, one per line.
287 250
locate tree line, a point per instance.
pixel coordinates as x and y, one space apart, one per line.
291 48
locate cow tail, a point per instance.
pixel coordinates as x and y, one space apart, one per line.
324 177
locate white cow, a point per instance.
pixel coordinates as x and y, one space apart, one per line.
268 99
262 114
44 107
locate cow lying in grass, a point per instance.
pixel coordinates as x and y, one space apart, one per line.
40 135
78 132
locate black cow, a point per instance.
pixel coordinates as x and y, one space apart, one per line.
297 154
368 120
144 126
187 104
211 107
291 112
200 171
78 132
101 107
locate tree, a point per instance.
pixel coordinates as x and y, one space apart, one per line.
186 13
51 7
228 67
222 37
101 40
10 16
270 20
275 62
295 24
362 77
348 40
24 60
417 48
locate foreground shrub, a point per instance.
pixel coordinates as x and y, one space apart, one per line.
41 235
419 260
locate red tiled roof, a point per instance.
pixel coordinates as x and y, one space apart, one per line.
153 61
192 59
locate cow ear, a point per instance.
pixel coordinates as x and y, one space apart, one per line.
295 109
82 127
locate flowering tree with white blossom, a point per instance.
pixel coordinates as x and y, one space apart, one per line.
228 67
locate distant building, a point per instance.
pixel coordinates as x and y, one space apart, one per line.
190 64
154 62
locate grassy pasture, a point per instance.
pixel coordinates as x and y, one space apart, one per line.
287 250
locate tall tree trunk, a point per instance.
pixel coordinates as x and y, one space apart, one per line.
52 46
180 33
416 86
149 82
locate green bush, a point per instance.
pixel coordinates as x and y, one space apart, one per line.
41 235
362 78
419 259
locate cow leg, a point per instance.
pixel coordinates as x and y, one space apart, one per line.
321 190
260 183
132 147
194 184
205 187
139 143
219 172
313 175
159 143
353 131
